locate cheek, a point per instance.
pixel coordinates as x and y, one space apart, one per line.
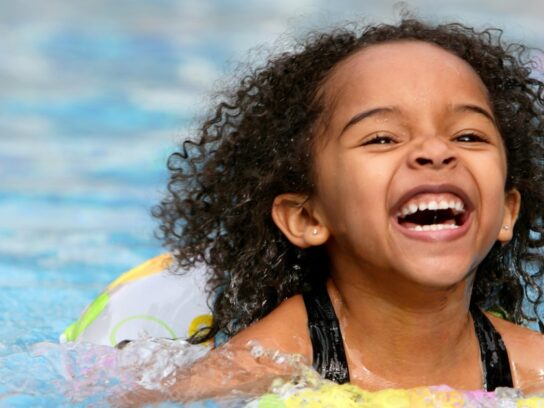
357 197
492 183
493 216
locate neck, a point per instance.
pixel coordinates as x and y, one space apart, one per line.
416 333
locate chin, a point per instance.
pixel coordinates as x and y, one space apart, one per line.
440 276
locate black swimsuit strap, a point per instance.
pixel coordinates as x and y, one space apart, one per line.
329 357
495 362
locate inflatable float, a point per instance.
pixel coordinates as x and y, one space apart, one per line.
147 301
349 396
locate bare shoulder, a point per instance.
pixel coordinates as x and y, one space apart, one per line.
284 329
520 341
526 352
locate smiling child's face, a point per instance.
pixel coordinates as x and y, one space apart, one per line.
411 166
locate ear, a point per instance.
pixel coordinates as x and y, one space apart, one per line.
296 218
512 203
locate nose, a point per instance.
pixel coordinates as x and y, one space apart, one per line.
433 153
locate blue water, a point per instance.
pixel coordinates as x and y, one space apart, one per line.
93 97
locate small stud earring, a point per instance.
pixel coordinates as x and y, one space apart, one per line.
506 227
314 231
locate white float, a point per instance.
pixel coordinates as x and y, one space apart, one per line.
147 301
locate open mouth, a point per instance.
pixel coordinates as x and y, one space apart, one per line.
427 213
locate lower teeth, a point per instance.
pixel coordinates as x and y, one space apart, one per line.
434 227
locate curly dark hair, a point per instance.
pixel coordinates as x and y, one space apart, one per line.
259 142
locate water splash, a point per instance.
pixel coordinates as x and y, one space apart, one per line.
75 374
154 363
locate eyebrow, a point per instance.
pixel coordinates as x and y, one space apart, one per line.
365 114
476 109
381 110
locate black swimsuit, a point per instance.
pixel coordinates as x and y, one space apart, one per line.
329 357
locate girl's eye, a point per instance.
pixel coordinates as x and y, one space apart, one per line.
471 138
379 140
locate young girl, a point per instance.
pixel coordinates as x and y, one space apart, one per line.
363 200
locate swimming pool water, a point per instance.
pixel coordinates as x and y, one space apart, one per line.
93 98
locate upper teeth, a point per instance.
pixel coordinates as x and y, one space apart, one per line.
411 208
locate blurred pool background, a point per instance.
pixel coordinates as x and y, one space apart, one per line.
93 97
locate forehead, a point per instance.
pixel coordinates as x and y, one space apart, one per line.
420 70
